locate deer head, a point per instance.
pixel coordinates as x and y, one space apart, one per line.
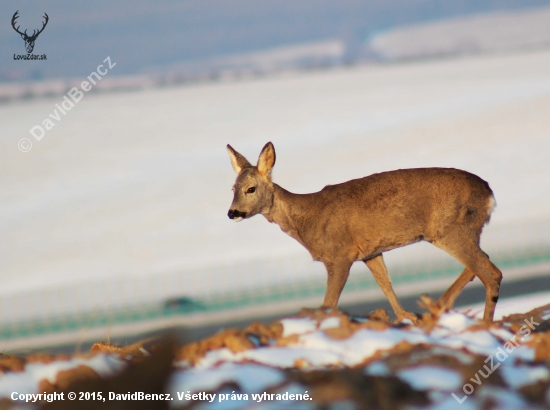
29 40
253 189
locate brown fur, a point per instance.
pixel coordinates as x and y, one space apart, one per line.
360 219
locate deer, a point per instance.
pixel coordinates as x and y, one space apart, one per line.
360 219
29 40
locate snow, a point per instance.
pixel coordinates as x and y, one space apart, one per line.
455 322
431 377
330 323
455 335
215 356
503 334
519 376
287 357
318 350
281 357
251 378
377 369
312 348
480 342
27 382
298 326
361 345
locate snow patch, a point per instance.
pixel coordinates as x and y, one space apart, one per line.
455 321
377 369
522 375
286 357
330 323
299 326
26 382
431 377
250 377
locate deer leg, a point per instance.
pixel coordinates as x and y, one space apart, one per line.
477 262
493 288
491 277
337 276
447 300
380 273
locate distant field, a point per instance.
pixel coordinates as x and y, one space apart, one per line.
499 32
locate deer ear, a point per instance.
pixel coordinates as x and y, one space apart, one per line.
266 159
237 160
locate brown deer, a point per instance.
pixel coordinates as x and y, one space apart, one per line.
360 219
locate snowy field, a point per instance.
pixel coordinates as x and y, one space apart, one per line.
137 185
474 34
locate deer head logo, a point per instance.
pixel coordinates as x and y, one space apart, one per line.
29 40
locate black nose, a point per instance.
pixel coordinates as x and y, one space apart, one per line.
233 213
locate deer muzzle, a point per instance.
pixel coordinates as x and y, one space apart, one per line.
236 215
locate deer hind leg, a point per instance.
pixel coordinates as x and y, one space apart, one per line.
337 276
468 252
447 300
380 273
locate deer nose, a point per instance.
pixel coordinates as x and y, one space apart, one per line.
234 214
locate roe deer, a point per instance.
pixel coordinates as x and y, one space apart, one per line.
360 219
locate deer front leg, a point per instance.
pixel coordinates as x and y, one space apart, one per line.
380 273
337 276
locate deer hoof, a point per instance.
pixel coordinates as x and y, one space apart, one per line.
406 317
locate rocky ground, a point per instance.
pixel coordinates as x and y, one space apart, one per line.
317 359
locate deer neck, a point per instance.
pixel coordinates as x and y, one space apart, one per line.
287 209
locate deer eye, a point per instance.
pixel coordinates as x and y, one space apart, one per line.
251 190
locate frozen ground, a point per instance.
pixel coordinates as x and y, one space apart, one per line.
326 357
135 185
